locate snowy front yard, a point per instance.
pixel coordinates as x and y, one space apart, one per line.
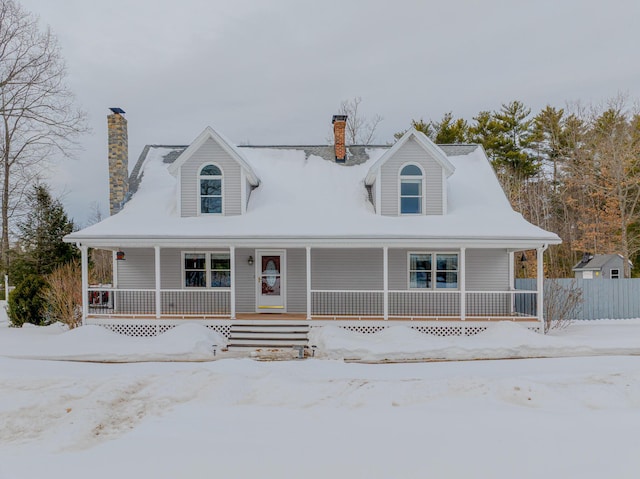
238 417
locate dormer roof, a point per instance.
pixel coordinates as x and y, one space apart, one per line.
422 140
207 134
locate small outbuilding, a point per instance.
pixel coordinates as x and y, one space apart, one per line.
596 266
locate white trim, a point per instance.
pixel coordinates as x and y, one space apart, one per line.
84 261
378 187
540 286
207 265
434 270
422 140
308 260
223 195
283 279
221 241
114 269
179 192
423 188
462 282
385 281
243 192
210 133
158 282
512 276
445 196
232 293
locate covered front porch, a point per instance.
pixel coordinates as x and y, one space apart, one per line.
321 284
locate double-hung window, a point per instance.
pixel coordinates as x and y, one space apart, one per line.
210 189
411 194
433 270
207 270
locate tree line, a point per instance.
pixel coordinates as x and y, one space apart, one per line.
574 171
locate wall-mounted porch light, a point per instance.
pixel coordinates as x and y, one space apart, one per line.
120 255
250 260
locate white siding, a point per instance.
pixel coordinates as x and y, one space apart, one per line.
348 269
296 281
211 152
411 152
245 281
138 270
487 270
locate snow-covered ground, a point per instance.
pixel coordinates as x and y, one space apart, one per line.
225 416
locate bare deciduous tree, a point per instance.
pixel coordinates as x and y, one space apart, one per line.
37 113
360 129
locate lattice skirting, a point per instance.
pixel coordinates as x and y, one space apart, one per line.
151 327
148 328
441 329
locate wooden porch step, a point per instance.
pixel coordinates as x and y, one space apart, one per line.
267 336
276 335
268 329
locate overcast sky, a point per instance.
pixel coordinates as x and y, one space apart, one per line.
275 71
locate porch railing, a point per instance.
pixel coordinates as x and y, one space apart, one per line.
104 301
424 303
142 302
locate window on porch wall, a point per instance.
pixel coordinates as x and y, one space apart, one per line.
423 267
207 270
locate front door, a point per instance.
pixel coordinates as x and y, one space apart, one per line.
270 271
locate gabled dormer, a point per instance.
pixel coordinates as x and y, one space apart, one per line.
410 178
214 178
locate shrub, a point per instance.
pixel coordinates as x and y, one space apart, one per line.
64 294
560 304
27 303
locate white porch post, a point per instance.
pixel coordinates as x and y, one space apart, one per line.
385 281
463 284
232 293
540 287
158 282
308 249
84 261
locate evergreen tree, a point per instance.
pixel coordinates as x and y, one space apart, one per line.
449 131
40 248
486 131
516 135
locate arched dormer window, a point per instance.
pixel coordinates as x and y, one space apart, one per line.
210 180
411 190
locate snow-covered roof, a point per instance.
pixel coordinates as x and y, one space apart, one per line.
210 133
302 196
436 152
596 262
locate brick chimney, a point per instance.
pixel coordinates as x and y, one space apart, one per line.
339 126
118 160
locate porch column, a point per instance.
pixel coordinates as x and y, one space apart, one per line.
540 287
308 249
232 293
158 283
385 280
84 261
463 283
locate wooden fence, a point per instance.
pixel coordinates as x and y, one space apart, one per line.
601 298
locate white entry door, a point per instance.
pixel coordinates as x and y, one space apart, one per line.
270 271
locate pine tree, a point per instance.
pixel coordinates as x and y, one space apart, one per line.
41 248
516 135
449 131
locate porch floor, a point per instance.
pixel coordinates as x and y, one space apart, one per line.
303 317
